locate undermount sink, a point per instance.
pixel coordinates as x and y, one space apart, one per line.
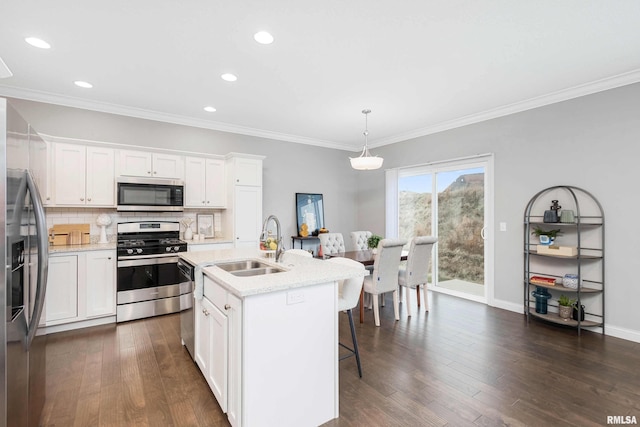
249 267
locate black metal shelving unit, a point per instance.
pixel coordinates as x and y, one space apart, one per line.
586 234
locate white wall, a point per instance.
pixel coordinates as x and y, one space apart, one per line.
288 167
591 142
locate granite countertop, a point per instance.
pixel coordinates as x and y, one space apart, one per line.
301 271
210 241
82 248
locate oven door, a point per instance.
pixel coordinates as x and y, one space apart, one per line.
144 278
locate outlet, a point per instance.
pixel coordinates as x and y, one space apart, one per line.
503 226
295 297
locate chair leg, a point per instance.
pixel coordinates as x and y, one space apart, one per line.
382 299
401 290
426 302
355 342
418 294
396 305
376 310
408 297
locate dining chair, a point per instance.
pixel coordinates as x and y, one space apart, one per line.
331 243
359 240
415 272
348 296
384 278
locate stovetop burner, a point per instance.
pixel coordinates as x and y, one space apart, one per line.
149 238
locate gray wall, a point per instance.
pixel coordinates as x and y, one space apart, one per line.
592 142
288 167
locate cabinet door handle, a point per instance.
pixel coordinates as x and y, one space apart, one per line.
109 258
89 199
148 172
208 202
203 202
155 172
227 306
82 199
205 311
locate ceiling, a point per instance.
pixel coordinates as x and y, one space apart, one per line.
421 66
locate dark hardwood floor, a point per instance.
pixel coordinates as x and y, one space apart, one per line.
461 364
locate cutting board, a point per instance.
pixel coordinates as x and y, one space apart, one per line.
70 234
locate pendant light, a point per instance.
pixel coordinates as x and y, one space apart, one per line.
366 161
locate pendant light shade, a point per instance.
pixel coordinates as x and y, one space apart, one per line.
366 161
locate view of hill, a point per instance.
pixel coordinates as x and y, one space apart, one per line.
461 218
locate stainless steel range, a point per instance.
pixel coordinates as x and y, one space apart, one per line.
149 281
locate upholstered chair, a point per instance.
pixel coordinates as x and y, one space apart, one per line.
416 271
331 243
359 240
348 296
384 278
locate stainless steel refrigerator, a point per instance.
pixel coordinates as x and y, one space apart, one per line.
23 227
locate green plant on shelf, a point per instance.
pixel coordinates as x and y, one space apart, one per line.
566 301
541 232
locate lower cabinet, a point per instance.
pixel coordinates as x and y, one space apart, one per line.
255 352
217 346
80 286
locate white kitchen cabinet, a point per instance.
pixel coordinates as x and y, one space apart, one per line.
149 164
246 171
84 175
205 184
80 286
62 289
244 207
41 162
247 216
100 283
212 352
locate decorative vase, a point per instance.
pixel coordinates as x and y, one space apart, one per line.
188 234
570 281
575 313
546 240
541 295
565 311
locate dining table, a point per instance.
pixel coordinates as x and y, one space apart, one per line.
366 257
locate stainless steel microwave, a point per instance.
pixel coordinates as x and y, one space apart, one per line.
150 194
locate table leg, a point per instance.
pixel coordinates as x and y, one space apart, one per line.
362 305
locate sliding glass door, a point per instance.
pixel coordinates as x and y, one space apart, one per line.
448 201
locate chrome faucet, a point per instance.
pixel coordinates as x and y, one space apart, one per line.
263 236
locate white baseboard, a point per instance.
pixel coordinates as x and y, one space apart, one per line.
614 331
625 334
77 325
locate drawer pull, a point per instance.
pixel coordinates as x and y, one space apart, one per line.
227 306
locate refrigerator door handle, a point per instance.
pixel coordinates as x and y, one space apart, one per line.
43 258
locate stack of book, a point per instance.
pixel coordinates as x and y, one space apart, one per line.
541 280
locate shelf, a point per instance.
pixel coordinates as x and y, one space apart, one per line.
586 238
554 318
585 257
564 288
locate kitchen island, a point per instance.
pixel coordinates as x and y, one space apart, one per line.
267 344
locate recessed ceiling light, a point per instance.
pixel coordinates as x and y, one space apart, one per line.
229 77
82 84
263 37
209 109
36 42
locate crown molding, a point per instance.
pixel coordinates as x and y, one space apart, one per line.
613 82
140 113
596 86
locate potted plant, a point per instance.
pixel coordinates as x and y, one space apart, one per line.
547 237
565 306
372 242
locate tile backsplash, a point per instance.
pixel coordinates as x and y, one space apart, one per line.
89 216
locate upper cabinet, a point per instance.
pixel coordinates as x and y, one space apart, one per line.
205 184
84 175
246 171
153 165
